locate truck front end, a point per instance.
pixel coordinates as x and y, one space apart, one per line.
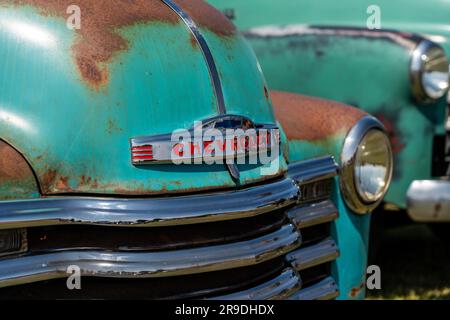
87 180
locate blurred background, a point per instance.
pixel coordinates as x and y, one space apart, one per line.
414 263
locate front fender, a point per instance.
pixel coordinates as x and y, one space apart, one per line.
313 128
366 69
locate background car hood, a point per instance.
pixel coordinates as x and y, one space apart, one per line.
428 18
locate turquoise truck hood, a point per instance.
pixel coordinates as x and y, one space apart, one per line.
70 100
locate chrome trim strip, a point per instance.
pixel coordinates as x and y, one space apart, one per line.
324 290
312 214
212 68
177 210
33 268
315 255
407 40
313 170
281 287
348 159
429 201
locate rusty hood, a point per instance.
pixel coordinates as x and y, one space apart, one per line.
70 99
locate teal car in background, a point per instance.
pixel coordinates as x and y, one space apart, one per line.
84 118
388 58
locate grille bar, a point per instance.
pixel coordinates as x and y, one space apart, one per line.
150 264
312 256
313 170
312 214
167 211
278 288
324 290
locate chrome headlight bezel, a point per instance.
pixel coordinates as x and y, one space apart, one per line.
425 53
348 183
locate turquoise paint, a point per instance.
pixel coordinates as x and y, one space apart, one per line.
62 124
24 189
235 59
352 234
350 231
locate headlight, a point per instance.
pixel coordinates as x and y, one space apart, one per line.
429 72
366 165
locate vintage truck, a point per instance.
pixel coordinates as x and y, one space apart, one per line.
399 73
87 186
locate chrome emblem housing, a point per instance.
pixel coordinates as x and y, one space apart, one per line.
235 138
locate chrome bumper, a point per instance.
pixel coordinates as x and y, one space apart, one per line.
429 201
285 243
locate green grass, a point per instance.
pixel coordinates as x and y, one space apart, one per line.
414 265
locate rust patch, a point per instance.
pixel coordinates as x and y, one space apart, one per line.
355 291
17 179
394 137
112 127
92 73
86 181
193 42
47 180
55 183
63 183
208 17
51 180
312 119
13 167
98 40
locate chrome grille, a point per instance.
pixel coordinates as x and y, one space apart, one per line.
277 233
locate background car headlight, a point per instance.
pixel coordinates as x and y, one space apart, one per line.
366 165
429 72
